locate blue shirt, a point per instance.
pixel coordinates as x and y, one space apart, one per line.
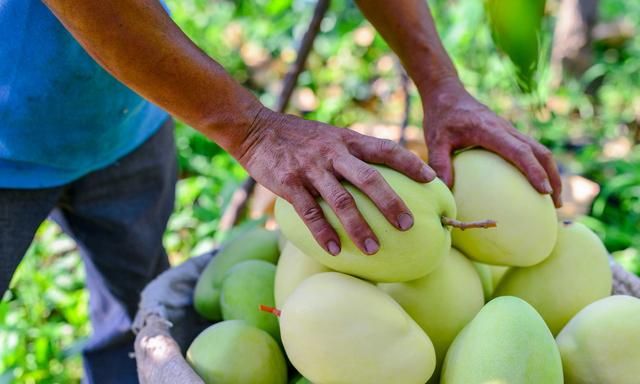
61 115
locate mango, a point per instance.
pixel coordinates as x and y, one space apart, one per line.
342 330
403 255
256 243
247 286
293 267
576 274
282 241
490 276
486 278
516 29
299 380
497 273
507 343
601 344
233 352
442 302
488 187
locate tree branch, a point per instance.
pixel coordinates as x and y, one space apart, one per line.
404 85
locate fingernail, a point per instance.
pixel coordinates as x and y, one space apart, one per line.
371 246
547 187
428 173
559 204
405 221
333 248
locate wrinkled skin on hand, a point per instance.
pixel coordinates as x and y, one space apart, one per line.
455 120
301 160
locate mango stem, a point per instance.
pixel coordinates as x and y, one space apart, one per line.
266 308
462 225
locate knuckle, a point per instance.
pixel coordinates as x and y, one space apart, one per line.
387 147
289 179
546 153
342 200
368 176
312 214
523 151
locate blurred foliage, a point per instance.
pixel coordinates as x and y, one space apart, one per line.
351 78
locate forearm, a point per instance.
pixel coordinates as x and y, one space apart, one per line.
138 43
408 28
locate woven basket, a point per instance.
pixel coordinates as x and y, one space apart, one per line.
166 323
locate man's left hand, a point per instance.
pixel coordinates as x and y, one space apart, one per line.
453 119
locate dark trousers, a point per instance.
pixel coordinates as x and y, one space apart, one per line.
117 216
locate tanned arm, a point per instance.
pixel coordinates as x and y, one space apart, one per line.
453 119
300 160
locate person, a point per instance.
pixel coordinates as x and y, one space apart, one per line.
84 136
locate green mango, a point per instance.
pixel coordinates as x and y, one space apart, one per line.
601 344
233 352
507 343
488 187
576 274
497 273
403 255
442 302
293 267
254 244
516 27
342 330
300 380
484 273
490 276
247 286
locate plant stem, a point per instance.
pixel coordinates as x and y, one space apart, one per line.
266 308
462 225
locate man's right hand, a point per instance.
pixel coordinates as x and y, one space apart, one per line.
301 160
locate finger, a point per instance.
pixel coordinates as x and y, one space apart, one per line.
521 155
390 153
545 157
344 206
371 182
310 212
440 161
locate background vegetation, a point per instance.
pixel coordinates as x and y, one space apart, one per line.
351 79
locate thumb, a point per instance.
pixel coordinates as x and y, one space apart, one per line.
440 161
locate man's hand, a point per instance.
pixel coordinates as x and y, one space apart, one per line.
453 120
302 160
297 159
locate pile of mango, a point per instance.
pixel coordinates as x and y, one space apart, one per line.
525 302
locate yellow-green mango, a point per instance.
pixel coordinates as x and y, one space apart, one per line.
506 343
442 302
601 344
488 187
342 330
257 243
233 352
576 274
282 241
293 267
403 255
486 278
490 276
497 273
245 287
